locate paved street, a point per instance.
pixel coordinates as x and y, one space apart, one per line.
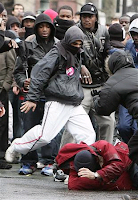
39 187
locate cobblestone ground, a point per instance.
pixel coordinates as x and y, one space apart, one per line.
39 187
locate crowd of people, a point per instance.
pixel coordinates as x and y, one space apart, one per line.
72 86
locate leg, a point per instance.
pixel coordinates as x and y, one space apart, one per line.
133 148
86 103
4 123
55 117
106 127
79 125
126 124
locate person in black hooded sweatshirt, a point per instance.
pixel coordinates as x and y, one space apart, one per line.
58 75
35 47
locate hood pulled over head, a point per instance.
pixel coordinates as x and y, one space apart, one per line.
43 18
120 59
72 34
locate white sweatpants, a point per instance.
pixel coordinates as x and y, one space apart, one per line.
56 116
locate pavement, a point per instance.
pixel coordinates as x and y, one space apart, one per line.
39 187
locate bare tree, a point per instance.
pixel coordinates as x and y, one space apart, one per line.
109 8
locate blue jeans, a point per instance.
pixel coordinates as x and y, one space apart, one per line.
126 124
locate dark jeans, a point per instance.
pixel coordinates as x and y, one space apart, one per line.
50 151
133 147
31 119
4 123
17 115
127 126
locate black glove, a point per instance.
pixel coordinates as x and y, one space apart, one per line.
95 93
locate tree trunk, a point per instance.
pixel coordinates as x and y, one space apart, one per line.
109 8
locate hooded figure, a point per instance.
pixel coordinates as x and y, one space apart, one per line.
121 87
12 20
37 46
72 34
43 18
120 59
63 92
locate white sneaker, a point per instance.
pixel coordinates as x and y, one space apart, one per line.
40 165
11 155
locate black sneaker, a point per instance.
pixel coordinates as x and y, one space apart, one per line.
127 197
5 165
59 175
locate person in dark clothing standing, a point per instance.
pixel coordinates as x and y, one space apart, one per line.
56 73
96 47
5 81
27 25
126 124
63 21
35 49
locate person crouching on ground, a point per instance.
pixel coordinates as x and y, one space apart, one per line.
100 166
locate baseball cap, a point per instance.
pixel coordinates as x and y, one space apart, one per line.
89 8
29 15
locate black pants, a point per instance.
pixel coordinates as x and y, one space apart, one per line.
133 147
4 124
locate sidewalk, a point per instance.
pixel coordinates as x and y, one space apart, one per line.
39 187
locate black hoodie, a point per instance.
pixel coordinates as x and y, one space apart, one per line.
43 18
121 87
120 59
12 20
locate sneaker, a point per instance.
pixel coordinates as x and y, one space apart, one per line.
127 197
27 169
40 165
11 155
66 180
59 176
5 165
47 170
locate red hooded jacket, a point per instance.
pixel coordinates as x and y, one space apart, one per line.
114 171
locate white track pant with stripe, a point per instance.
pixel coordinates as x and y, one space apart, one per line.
56 116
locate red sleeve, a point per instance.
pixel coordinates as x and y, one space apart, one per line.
113 165
81 183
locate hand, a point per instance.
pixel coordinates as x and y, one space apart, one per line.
85 172
85 75
15 90
95 93
2 27
26 84
21 32
13 44
27 105
2 111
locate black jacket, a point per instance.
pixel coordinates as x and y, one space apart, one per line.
120 88
34 53
4 44
94 57
63 87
